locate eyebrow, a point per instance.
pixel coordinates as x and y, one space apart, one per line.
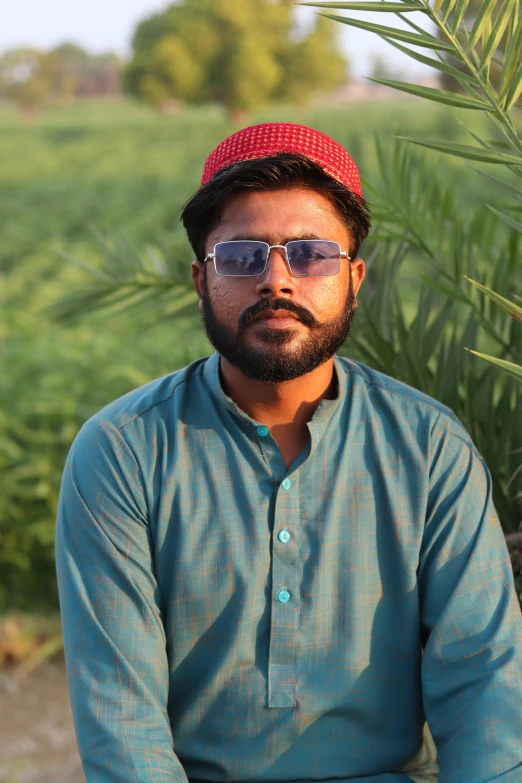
294 237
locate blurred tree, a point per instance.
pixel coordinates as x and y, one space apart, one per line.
93 74
241 53
312 64
382 68
34 79
16 65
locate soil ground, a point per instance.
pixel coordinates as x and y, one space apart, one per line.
38 740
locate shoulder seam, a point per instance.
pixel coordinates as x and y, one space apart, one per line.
467 441
158 402
444 417
107 424
382 386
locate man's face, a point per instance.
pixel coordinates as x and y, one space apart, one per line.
320 309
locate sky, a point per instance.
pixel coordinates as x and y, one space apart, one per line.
108 25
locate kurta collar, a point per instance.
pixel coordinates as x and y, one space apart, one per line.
321 417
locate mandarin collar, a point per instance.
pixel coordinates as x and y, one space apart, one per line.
323 412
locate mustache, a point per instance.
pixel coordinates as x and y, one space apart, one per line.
304 315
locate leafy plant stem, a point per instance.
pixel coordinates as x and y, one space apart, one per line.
506 125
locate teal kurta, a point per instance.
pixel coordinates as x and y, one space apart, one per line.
227 619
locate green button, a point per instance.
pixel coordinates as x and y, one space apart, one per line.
262 431
283 596
286 484
284 536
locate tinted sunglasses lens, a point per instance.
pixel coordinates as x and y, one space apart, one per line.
314 257
240 258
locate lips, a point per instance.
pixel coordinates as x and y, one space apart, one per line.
266 315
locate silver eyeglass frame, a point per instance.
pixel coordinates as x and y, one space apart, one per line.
212 256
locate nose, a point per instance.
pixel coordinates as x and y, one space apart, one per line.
276 280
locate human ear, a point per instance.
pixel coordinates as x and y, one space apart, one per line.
358 271
198 279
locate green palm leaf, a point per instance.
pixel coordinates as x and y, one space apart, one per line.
445 8
514 91
415 39
458 15
516 17
128 277
511 190
369 6
481 22
93 271
440 65
119 296
511 60
514 310
496 35
515 224
511 369
441 96
465 151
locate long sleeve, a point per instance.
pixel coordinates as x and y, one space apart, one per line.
472 626
112 623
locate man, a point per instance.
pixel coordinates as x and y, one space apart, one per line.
276 563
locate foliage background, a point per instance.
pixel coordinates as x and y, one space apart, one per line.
34 79
478 45
106 178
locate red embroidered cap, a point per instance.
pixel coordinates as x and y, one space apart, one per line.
261 141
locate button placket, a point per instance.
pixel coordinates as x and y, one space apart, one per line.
269 450
286 578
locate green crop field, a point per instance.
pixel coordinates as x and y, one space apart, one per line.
120 170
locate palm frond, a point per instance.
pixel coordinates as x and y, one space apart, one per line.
514 370
481 22
511 190
370 5
513 93
433 94
458 15
446 8
474 52
515 224
415 39
511 61
440 64
510 307
499 28
128 277
119 297
466 151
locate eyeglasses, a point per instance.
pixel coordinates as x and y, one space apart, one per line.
305 257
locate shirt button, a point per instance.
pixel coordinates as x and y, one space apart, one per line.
283 596
262 431
286 484
284 536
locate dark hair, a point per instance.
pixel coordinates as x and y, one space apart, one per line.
202 212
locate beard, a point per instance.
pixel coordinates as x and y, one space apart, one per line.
271 363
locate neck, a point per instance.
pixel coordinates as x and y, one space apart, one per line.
289 403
